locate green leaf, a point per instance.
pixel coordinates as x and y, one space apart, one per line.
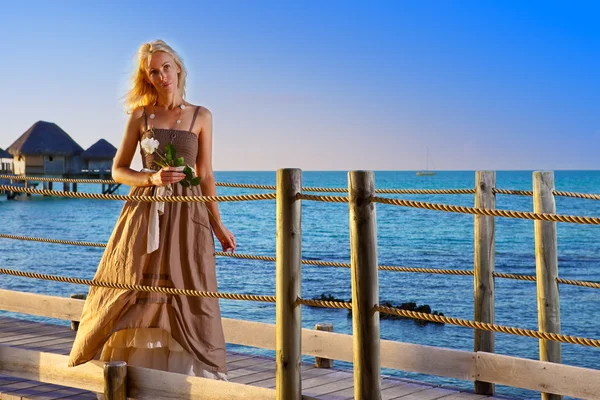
184 183
170 152
179 162
195 181
188 173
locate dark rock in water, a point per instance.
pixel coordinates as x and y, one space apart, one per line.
410 306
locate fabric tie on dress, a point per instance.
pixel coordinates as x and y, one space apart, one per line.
156 209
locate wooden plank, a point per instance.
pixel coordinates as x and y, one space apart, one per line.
404 389
59 394
323 379
542 376
485 181
51 368
465 396
35 304
149 384
329 387
43 389
427 394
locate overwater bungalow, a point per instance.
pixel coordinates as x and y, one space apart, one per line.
6 162
99 157
45 149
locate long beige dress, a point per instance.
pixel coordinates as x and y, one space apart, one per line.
167 332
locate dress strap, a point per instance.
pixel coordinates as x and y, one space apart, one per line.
145 118
194 119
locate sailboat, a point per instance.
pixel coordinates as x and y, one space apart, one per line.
426 172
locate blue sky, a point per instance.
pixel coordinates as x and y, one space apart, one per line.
326 85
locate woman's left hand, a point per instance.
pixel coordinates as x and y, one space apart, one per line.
226 239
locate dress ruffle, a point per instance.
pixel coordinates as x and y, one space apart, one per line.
154 348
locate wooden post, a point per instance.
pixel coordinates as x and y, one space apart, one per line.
80 296
546 269
365 290
324 362
288 285
66 187
115 380
50 185
75 187
485 181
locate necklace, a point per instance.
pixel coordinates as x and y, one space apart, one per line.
181 108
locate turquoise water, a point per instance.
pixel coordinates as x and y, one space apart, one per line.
406 237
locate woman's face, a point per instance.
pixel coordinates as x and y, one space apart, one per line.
163 71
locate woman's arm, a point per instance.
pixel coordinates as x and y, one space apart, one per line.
121 171
204 170
204 164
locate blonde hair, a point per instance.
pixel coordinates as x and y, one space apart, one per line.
142 93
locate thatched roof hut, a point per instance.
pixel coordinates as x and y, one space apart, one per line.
6 162
101 150
45 138
45 149
5 154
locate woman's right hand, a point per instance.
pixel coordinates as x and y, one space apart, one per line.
166 175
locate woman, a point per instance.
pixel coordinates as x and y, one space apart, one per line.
160 244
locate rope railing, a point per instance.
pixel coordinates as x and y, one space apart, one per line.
311 302
392 268
139 288
489 327
150 199
515 192
65 180
332 199
488 211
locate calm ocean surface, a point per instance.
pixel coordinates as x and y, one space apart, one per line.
406 237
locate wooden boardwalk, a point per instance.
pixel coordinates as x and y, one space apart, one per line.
330 384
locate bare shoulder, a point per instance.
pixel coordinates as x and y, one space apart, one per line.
203 119
137 113
203 112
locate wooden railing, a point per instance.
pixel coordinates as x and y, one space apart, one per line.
364 348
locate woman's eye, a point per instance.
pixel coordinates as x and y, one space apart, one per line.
167 67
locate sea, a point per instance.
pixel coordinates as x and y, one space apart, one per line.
405 236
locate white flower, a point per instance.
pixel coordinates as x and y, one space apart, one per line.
149 145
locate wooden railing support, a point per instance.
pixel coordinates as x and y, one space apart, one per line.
365 289
546 269
288 281
319 361
485 181
115 380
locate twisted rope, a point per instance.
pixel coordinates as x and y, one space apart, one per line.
324 189
139 288
44 179
325 303
577 195
392 268
425 191
317 303
490 327
166 199
491 212
594 285
328 199
56 241
246 186
513 192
